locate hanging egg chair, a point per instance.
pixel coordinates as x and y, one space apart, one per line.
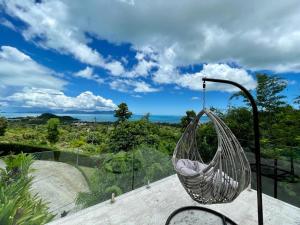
219 181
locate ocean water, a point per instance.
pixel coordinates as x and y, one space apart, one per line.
104 117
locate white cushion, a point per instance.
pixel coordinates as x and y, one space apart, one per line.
188 167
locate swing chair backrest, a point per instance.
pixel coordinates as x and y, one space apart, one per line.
224 177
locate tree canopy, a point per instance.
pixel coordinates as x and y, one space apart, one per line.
52 130
297 101
185 120
268 93
122 113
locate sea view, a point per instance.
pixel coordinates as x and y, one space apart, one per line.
103 117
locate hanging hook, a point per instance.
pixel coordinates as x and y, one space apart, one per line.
204 86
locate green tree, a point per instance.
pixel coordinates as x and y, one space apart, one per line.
240 123
268 93
185 120
3 126
297 101
122 113
52 130
127 135
269 101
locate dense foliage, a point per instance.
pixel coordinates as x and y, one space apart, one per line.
3 126
95 138
279 122
17 148
17 205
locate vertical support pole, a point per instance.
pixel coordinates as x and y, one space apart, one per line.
256 143
275 178
112 200
132 165
77 152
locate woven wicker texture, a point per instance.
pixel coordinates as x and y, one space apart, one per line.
228 173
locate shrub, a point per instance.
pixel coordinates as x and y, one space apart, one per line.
3 126
93 138
78 143
16 148
17 205
90 148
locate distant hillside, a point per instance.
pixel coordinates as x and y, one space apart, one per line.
63 119
43 118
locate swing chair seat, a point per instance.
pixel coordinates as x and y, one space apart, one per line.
191 168
224 177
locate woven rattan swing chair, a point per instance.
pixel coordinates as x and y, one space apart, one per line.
225 177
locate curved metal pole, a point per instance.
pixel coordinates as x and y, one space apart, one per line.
256 140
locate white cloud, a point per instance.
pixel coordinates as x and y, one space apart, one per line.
18 69
223 71
167 72
57 100
146 60
3 104
13 54
249 33
125 85
88 73
7 24
141 86
50 25
195 98
130 2
136 96
115 67
169 75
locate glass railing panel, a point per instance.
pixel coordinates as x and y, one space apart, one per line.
71 181
280 177
149 166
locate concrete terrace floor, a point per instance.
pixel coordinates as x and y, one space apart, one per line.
153 206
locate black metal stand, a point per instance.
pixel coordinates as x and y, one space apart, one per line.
256 140
225 220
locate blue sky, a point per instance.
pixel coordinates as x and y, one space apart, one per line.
61 55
